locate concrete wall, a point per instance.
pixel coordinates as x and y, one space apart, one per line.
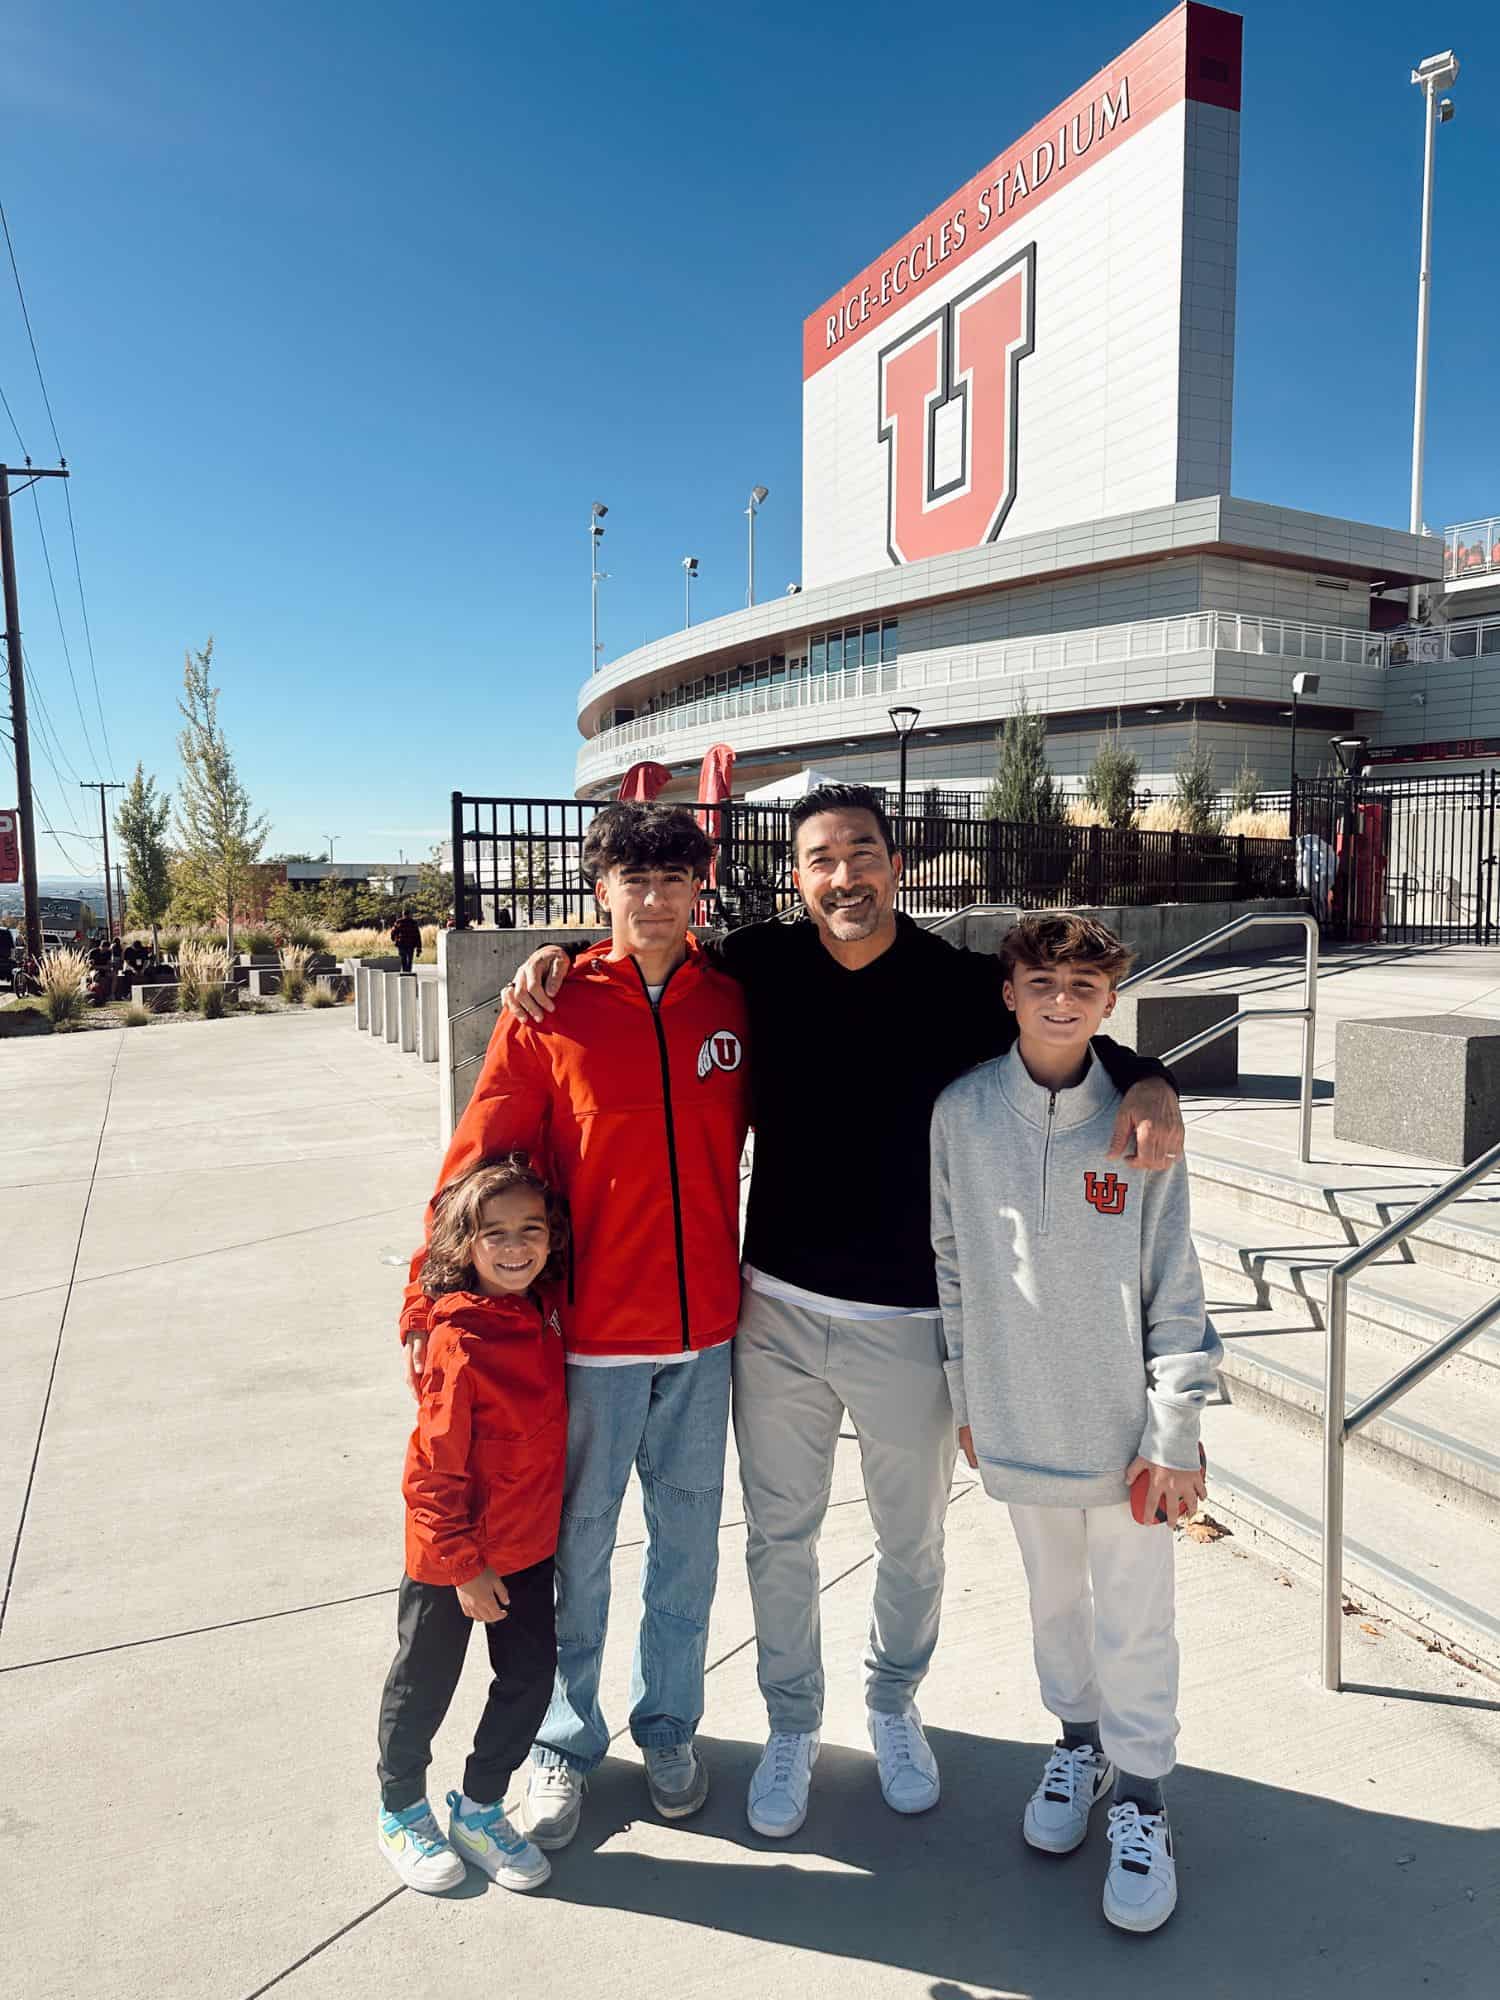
472 968
1156 929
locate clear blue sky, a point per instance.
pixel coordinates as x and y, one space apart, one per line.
348 313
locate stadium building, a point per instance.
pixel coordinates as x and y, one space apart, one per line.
1017 481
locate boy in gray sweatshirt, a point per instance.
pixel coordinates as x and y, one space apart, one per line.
1079 1357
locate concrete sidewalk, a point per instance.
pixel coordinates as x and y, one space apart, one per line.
204 1235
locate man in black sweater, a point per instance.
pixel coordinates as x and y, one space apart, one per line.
858 1019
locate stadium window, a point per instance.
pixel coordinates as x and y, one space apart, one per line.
871 645
817 654
890 644
1489 639
1463 645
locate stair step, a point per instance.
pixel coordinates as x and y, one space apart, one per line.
1432 1568
1399 1307
1354 1203
1437 1436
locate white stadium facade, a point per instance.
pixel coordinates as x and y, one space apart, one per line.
1017 483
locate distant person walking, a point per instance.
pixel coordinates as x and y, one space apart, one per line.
406 936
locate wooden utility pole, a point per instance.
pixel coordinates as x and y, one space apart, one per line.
100 786
25 810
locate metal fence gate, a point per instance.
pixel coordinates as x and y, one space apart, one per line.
1407 860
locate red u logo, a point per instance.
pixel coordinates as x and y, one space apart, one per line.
1107 1195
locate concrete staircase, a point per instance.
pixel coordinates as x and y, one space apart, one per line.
1423 1481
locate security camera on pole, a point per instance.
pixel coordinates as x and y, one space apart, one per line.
1433 74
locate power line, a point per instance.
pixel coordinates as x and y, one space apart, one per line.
61 633
72 528
13 424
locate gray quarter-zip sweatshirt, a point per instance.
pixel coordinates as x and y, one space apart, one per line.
1072 1301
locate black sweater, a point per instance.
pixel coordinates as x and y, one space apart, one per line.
845 1069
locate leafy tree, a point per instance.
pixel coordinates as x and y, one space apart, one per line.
1197 793
141 823
1244 796
1023 788
431 901
1110 780
219 834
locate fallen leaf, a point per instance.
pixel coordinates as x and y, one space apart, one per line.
1204 1528
1284 1581
1373 1630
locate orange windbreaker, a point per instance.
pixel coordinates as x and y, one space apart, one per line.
637 1114
484 1469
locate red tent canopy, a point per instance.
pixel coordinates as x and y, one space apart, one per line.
715 782
642 782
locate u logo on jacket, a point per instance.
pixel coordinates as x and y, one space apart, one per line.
1107 1195
720 1051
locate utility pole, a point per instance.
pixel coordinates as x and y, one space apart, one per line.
101 787
25 810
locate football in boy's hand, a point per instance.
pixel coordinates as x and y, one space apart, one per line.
1138 1487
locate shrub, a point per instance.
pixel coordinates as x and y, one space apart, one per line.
257 943
303 939
1023 789
321 996
199 965
294 959
212 1003
1082 813
1161 816
134 1015
1111 780
1244 796
361 942
1197 794
64 980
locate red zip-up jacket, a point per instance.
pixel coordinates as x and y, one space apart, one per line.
484 1469
636 1114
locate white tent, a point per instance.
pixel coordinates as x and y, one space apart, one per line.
795 787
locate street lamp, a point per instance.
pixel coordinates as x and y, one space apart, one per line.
1301 684
596 575
903 721
757 495
330 838
689 577
1434 74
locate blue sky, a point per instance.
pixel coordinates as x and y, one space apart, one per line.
348 314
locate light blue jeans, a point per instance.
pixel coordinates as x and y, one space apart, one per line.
671 1423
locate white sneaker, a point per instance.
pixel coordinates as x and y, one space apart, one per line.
777 1803
908 1770
1057 1813
1140 1890
411 1842
554 1804
484 1836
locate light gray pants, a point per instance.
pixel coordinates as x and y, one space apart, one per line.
795 1374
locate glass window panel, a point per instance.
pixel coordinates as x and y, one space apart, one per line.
1463 645
870 646
817 654
1489 639
890 644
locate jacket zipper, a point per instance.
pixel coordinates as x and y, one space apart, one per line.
1047 1151
666 1094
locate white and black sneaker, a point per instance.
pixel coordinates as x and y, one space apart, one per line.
1057 1813
1140 1890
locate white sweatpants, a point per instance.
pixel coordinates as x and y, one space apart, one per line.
1106 1654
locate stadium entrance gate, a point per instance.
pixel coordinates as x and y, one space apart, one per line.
1415 855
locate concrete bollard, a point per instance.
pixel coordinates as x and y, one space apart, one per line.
427 1019
377 1005
362 997
406 1011
391 981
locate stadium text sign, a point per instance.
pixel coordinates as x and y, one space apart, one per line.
1055 343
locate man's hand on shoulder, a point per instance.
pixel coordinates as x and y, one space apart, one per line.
1150 1115
415 1349
532 994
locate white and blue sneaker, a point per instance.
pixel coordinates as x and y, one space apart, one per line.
485 1838
411 1842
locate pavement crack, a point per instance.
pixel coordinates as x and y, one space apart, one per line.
333 1938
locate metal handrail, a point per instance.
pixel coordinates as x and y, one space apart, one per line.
1339 1426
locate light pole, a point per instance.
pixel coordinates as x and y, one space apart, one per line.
1301 684
330 838
596 575
903 721
689 578
1433 74
758 494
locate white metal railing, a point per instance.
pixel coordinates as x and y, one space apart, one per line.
1464 639
1340 1425
1102 645
1471 549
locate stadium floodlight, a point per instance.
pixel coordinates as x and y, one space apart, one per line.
758 494
689 576
794 590
1431 75
596 576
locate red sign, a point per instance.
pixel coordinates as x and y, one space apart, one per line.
10 847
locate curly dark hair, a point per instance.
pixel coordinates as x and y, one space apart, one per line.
632 835
449 1263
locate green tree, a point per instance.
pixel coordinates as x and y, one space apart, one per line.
1110 780
141 823
219 834
1197 793
1244 796
1023 788
431 902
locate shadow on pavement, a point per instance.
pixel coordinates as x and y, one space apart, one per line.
1281 1894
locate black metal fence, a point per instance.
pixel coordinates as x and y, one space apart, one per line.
520 862
1402 860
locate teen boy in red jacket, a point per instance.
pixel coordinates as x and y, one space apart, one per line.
635 1105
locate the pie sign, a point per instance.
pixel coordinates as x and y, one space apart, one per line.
10 847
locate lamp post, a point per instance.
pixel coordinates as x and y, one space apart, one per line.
330 838
757 495
689 577
1433 74
596 576
1301 684
1349 751
903 721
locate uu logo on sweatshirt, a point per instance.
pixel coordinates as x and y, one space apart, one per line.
720 1051
1107 1195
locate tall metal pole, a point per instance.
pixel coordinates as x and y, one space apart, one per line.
1434 75
101 788
32 911
750 587
1291 802
902 808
